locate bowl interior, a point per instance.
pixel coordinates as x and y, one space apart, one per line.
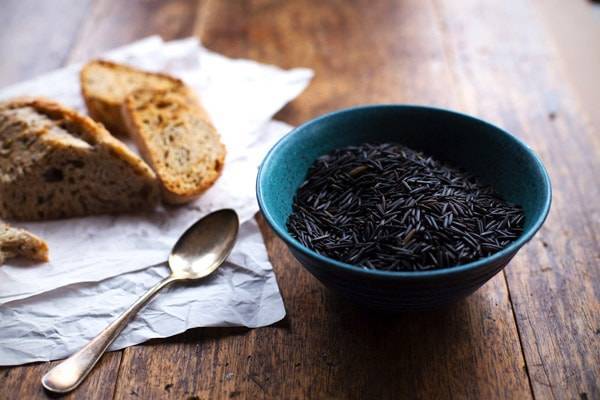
495 156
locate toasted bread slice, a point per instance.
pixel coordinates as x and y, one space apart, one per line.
16 242
105 85
177 139
58 163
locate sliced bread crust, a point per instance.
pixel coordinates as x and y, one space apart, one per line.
55 163
16 242
105 84
175 136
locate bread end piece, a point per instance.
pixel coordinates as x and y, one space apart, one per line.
105 84
16 242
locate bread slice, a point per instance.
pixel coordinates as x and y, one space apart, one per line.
55 163
105 85
176 138
18 242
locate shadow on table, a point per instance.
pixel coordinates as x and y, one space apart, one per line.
369 354
196 335
327 346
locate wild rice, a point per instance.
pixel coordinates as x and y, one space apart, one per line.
388 207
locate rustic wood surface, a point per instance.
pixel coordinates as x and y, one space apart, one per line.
531 332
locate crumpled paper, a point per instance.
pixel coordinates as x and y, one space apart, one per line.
54 324
99 265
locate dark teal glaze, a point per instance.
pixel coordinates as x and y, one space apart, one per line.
497 157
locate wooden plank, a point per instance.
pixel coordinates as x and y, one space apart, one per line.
41 44
571 26
23 382
114 23
356 60
509 72
327 348
109 24
44 46
361 52
502 72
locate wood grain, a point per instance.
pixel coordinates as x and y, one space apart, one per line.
356 60
510 74
23 382
113 23
41 44
42 47
85 30
327 348
361 52
532 331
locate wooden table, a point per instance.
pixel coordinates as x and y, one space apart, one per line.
532 331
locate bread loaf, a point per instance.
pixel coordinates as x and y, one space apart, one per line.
55 163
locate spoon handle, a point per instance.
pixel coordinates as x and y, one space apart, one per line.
67 375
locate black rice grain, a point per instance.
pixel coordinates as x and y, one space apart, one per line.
388 207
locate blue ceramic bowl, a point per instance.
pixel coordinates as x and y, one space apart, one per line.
496 157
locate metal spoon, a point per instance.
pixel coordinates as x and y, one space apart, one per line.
198 252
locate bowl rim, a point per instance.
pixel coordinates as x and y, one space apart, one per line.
454 270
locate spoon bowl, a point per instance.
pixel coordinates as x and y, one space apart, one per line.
214 235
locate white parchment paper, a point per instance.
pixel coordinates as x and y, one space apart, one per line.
99 265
